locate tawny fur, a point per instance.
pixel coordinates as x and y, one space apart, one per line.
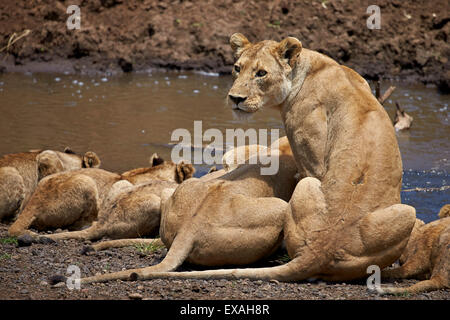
345 213
234 218
283 148
72 199
427 256
240 155
20 173
129 211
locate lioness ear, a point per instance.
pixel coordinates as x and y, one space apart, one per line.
155 160
68 150
184 171
288 49
238 43
91 160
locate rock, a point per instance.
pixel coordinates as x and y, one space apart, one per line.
125 65
56 279
135 296
87 249
45 240
25 240
140 287
195 289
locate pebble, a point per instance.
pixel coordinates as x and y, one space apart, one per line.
140 287
275 281
24 241
135 296
195 289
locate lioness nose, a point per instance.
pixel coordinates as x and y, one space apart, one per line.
237 99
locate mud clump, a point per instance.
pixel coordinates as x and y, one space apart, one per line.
124 36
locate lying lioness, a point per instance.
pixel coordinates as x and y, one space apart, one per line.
345 214
20 173
72 199
129 211
427 255
235 219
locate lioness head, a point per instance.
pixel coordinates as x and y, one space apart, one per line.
50 162
262 72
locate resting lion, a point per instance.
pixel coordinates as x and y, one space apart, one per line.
72 199
129 211
345 214
427 255
20 173
230 219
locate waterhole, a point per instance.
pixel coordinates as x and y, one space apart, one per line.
125 119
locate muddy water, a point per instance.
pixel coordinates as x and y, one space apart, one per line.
125 119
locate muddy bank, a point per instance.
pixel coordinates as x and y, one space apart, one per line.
117 35
24 274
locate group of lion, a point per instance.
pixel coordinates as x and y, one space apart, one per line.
334 202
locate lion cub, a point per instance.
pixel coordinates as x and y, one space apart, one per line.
72 199
20 173
427 256
129 211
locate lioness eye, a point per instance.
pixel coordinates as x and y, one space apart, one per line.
237 68
261 73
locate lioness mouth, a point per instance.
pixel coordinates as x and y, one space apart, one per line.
243 109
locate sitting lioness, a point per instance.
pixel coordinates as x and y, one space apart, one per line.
427 255
345 213
72 199
20 173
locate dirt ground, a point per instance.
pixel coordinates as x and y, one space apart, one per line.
25 273
119 35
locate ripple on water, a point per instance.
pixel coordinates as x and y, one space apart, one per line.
427 203
70 104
